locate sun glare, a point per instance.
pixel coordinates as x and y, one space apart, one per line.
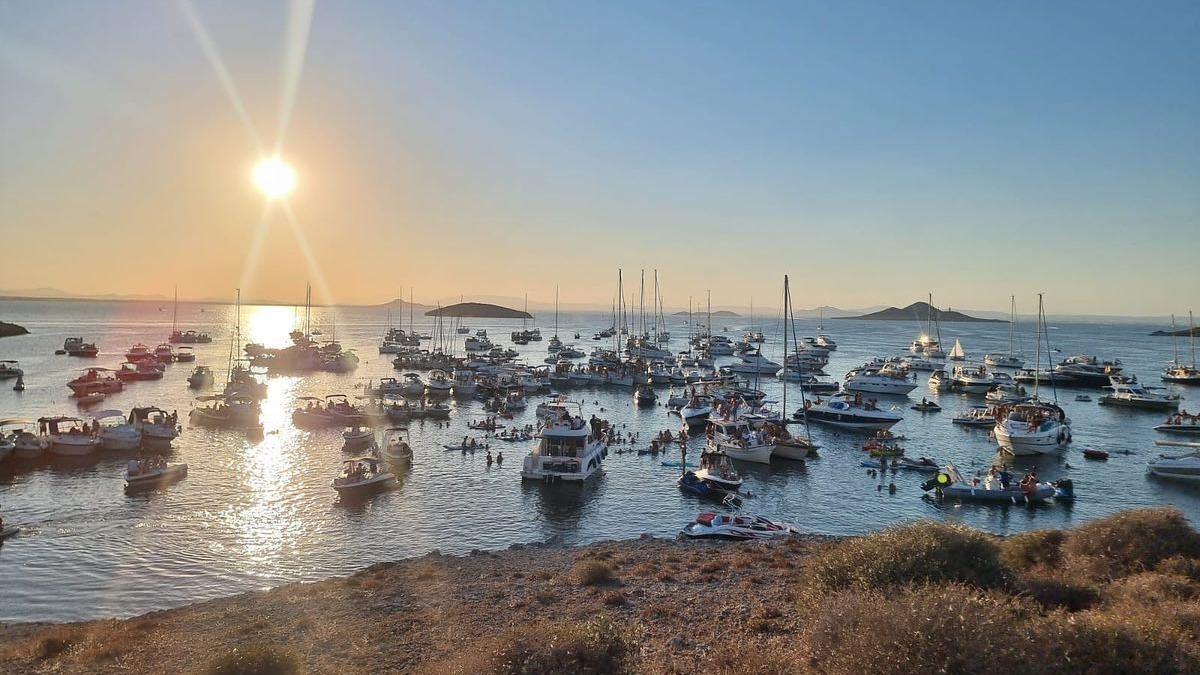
274 177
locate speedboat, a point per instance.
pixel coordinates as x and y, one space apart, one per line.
22 442
737 526
157 427
1032 428
950 483
696 411
920 362
10 369
148 473
884 379
737 440
464 384
926 406
144 369
138 352
977 416
357 437
185 355
75 441
116 433
164 353
846 413
921 464
1088 371
1183 466
718 471
972 380
201 377
362 475
1128 393
439 384
755 363
414 386
75 346
396 447
226 412
644 396
567 449
1180 423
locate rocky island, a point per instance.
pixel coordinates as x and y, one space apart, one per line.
919 311
11 329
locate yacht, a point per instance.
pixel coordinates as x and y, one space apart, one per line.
1176 371
75 346
1127 392
566 449
1032 428
736 439
396 447
95 379
201 377
10 369
164 353
884 379
464 384
921 362
1088 371
1181 466
115 432
185 355
439 384
145 369
844 412
138 352
755 364
414 386
696 411
972 380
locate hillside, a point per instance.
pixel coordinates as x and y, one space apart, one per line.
919 311
479 310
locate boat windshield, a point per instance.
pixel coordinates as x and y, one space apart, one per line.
557 446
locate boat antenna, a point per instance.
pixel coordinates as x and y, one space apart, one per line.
175 310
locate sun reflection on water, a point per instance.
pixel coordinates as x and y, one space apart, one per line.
269 325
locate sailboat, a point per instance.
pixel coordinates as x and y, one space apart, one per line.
1013 358
1035 427
1176 371
555 344
787 446
926 343
957 353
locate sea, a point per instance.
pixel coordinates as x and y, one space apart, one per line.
257 513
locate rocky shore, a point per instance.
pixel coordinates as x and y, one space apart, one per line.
1117 595
11 329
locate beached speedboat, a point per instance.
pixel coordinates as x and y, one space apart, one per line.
737 526
1129 393
845 413
950 483
567 449
145 473
362 475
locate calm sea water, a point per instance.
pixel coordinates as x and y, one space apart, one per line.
252 515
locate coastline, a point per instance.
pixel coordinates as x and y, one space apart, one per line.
1127 582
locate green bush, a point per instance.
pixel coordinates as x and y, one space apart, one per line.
910 554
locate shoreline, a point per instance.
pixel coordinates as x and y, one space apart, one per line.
1128 582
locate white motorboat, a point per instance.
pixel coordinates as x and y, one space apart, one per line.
1176 371
358 437
116 433
755 363
414 386
940 380
75 346
736 439
138 352
845 413
1129 393
567 448
185 355
158 428
718 470
226 412
10 369
1180 423
696 411
396 447
164 353
362 475
68 436
738 526
972 380
439 384
22 442
464 384
1180 466
921 362
1032 428
884 379
150 473
976 416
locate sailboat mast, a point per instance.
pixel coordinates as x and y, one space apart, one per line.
1175 341
1037 364
1012 322
411 328
783 409
556 311
1192 333
175 310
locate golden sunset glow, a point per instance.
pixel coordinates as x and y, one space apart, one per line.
274 177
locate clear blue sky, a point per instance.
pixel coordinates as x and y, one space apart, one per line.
875 151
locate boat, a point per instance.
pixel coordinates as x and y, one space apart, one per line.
115 432
696 411
739 526
644 396
358 437
690 483
1176 371
921 464
144 473
736 439
10 369
755 364
75 440
1180 423
185 355
848 413
976 416
396 447
158 428
882 379
362 475
414 386
972 380
1010 359
1180 466
189 337
439 385
1083 398
1034 427
994 488
89 399
164 353
1128 393
1087 371
96 379
940 380
1093 453
956 352
22 442
226 412
6 532
138 352
75 346
144 369
567 448
926 406
464 384
201 377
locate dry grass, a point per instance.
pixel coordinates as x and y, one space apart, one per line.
1033 549
592 647
1130 542
262 660
593 573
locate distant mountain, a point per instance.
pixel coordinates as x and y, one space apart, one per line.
1182 332
920 311
479 310
721 312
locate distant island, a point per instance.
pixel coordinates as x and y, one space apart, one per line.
723 313
480 310
1182 332
11 329
919 311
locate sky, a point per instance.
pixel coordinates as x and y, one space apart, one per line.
875 152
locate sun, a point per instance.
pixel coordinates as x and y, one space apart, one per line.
274 177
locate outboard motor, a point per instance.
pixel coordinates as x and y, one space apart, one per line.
1064 489
938 481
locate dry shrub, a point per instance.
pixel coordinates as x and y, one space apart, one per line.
665 577
744 657
546 597
593 573
1057 593
1130 542
909 554
1180 566
1151 588
711 566
643 570
1033 549
256 660
591 647
615 599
